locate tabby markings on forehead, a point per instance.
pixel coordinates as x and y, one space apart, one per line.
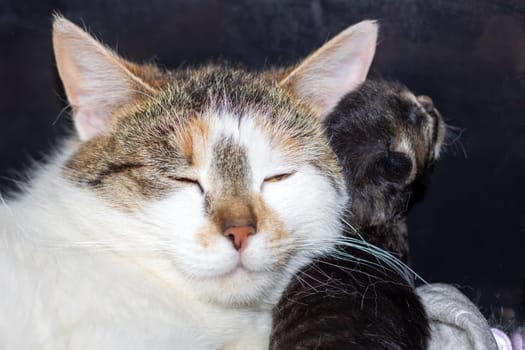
230 166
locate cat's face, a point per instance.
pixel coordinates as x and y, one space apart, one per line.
229 173
236 192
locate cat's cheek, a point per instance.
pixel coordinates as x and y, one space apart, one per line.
283 198
211 262
313 195
205 257
183 231
257 255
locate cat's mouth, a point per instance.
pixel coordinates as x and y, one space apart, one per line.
244 268
239 268
239 275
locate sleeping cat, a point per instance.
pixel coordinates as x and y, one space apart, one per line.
386 139
179 211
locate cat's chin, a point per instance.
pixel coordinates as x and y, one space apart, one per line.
240 273
239 287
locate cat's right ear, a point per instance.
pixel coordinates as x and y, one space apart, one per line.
96 80
337 68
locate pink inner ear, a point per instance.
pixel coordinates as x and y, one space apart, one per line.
90 122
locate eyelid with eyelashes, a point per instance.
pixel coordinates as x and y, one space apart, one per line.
187 180
279 177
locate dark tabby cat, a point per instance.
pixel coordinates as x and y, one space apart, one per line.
386 139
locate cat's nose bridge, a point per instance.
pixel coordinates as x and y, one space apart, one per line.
230 168
235 212
237 220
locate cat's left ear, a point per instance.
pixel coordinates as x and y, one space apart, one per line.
97 81
335 69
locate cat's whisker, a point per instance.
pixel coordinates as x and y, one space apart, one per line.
65 108
4 204
382 253
354 272
384 258
132 243
330 285
304 280
375 267
460 145
453 137
19 183
350 258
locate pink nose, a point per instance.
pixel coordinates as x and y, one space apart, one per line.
239 235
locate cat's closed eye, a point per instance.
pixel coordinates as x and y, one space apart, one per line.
188 181
277 178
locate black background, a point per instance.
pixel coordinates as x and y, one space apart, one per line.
469 56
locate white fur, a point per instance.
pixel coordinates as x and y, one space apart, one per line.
79 274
